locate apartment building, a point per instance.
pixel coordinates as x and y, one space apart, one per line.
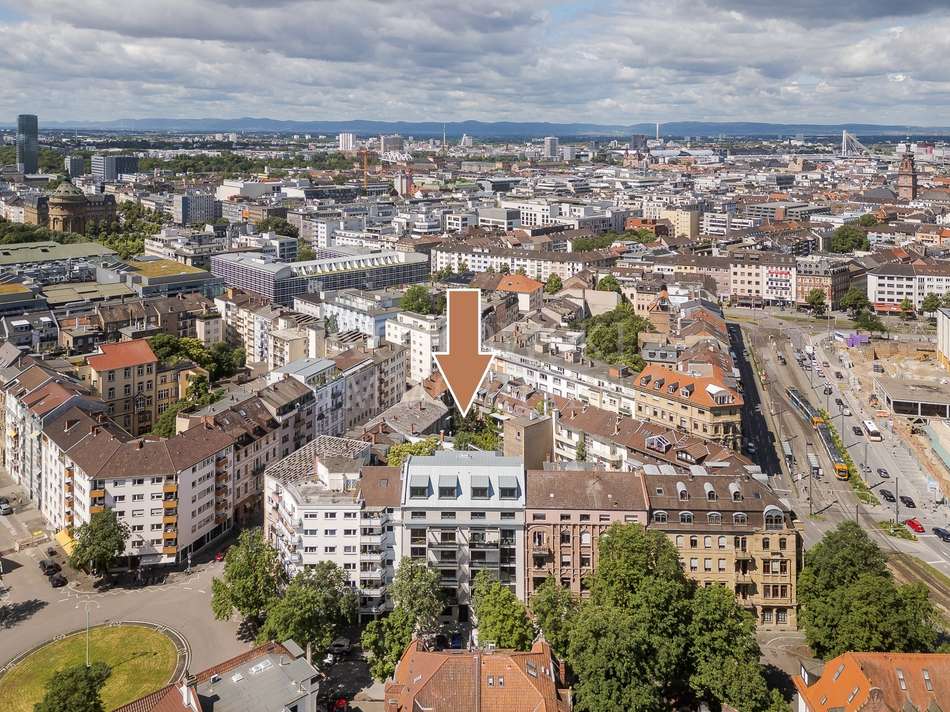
733 532
124 376
286 345
32 398
374 380
535 263
565 515
365 312
175 494
685 223
888 285
759 278
718 268
317 509
463 512
422 336
831 276
701 406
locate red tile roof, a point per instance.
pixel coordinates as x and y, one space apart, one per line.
122 355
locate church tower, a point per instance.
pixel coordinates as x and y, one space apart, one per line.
907 178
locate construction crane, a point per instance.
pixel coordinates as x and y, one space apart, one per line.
364 156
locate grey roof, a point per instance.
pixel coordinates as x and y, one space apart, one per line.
264 684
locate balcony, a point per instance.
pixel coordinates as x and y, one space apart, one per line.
220 518
374 591
439 544
476 544
172 534
171 488
170 550
371 556
540 549
372 538
97 494
170 518
222 478
170 504
96 508
68 488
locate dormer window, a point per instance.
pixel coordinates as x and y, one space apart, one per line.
687 390
672 387
686 517
645 380
658 384
659 517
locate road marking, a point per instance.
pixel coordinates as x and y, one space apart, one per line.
938 561
201 590
187 588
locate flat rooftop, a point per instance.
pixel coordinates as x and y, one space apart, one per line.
50 251
269 683
67 292
914 391
162 268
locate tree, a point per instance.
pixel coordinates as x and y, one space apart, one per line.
907 308
504 269
614 336
555 610
99 542
416 589
816 301
868 321
553 285
580 452
417 299
251 581
500 617
305 253
854 300
945 301
386 639
609 284
278 225
930 303
628 555
725 652
849 238
849 601
313 608
76 689
867 220
332 324
423 448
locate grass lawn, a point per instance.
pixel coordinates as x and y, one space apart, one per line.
142 660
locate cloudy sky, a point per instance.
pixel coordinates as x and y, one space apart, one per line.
603 61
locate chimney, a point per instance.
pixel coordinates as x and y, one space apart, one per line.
412 428
188 687
208 421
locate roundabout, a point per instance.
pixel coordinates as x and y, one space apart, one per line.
143 656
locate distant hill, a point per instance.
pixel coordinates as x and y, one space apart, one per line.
501 129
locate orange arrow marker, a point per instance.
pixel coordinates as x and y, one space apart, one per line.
464 364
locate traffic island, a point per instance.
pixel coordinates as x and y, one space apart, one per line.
143 658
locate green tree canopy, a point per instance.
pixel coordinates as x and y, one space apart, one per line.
628 555
278 225
867 220
907 308
416 589
398 453
75 689
305 253
420 300
849 601
252 579
314 608
555 611
866 320
609 284
386 639
854 300
501 618
99 542
613 336
816 301
849 238
930 303
553 285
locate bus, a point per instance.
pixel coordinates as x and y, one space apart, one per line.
837 460
874 435
798 399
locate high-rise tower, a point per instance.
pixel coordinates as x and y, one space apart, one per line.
27 143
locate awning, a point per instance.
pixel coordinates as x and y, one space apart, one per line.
508 482
480 481
418 481
448 480
65 540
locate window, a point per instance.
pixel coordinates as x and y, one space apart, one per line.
330 532
478 515
694 565
900 677
782 543
508 492
686 517
693 542
138 512
722 542
418 515
585 538
765 543
740 518
536 517
659 517
774 519
722 565
507 515
679 541
419 492
714 518
928 683
479 492
448 515
447 492
707 542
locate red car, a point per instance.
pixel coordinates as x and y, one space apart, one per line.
220 555
914 525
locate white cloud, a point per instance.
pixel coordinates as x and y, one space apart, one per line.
605 62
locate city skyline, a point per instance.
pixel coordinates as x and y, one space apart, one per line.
597 62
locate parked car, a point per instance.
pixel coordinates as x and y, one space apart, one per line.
846 411
781 359
857 431
908 502
825 364
340 646
884 473
821 374
914 525
220 555
4 500
887 495
941 533
838 375
5 509
839 402
57 580
53 569
827 390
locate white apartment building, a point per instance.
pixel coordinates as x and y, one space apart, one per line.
365 312
889 285
316 510
463 512
757 278
286 345
717 223
551 148
535 263
458 222
423 336
346 141
329 391
175 495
